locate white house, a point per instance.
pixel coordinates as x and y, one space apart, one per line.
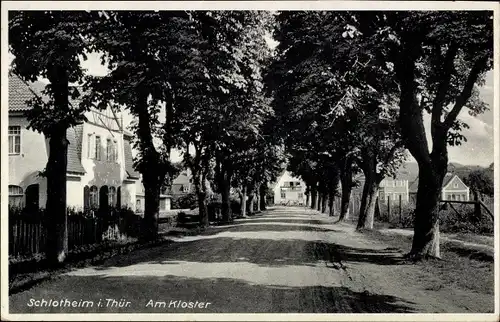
289 190
453 188
100 167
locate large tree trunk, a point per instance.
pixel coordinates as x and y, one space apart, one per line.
56 207
152 177
313 197
151 207
57 220
368 203
370 192
319 201
257 201
243 205
203 208
262 191
346 181
331 199
332 191
323 202
251 201
202 199
308 194
225 194
426 228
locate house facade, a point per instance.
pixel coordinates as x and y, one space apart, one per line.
100 166
453 188
182 184
289 190
392 188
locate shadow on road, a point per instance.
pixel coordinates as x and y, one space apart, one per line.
224 294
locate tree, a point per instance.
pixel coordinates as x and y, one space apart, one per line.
143 60
437 60
49 44
481 182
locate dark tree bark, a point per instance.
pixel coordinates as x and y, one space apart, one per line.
346 181
201 194
257 199
57 221
251 200
152 176
433 165
324 201
56 208
370 191
313 196
332 191
319 201
263 191
308 194
243 205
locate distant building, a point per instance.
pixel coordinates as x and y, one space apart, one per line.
288 190
182 184
453 188
391 188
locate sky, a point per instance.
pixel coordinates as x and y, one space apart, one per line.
478 150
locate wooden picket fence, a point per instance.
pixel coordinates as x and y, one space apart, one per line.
28 236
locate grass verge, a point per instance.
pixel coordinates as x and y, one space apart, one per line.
460 267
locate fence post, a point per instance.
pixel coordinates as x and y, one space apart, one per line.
389 208
400 207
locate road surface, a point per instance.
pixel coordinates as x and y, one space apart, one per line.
286 259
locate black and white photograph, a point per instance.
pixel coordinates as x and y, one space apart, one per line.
205 160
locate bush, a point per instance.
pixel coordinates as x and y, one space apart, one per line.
465 221
187 201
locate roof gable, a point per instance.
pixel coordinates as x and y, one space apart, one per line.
448 178
129 160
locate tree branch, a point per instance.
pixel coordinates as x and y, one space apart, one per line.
443 87
466 93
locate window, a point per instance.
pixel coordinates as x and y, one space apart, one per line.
138 205
112 196
94 197
115 150
97 152
119 197
14 139
86 197
90 146
111 150
300 195
163 203
455 185
283 195
453 196
15 196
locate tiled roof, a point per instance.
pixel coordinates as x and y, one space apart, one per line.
20 92
74 136
413 188
129 161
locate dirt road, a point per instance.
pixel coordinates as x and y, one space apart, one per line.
284 260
